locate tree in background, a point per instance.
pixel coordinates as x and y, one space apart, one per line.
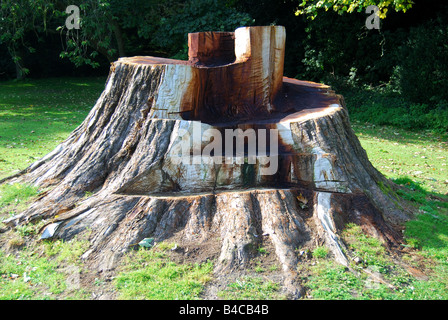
338 44
116 28
18 19
312 7
170 33
422 70
100 30
113 28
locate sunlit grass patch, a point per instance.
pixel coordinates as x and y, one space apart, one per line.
27 277
320 252
16 193
40 272
15 198
369 249
331 281
36 115
252 288
420 155
150 274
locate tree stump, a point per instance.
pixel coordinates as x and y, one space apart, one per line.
151 156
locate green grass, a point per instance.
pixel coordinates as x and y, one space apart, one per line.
15 198
45 281
320 252
419 155
262 250
16 193
66 251
36 115
401 138
251 288
151 274
331 281
35 273
369 249
429 231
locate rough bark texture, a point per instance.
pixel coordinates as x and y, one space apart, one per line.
122 154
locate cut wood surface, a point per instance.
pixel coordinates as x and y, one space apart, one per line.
124 154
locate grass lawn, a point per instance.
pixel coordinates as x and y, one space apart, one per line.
36 115
420 155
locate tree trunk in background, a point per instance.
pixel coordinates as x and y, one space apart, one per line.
119 38
19 68
124 155
19 73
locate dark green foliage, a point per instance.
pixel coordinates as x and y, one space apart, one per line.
109 29
268 12
397 75
382 106
18 18
116 28
423 64
340 46
194 16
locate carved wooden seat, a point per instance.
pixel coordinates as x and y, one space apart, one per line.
234 77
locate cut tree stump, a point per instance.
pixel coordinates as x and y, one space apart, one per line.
126 156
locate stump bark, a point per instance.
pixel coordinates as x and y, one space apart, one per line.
126 156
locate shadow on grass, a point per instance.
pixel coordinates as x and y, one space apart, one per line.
429 230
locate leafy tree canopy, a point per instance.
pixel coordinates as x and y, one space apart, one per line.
310 8
112 28
17 19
